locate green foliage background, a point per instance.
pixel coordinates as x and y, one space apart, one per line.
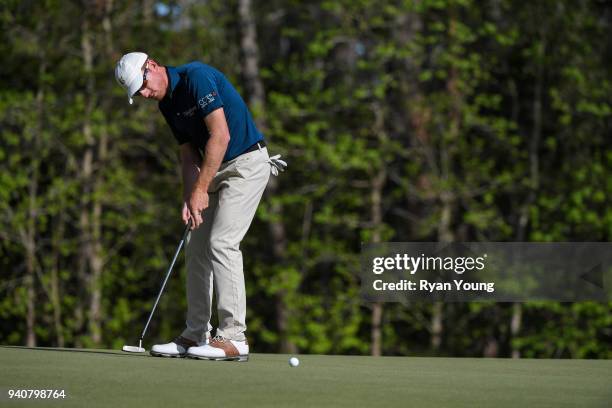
401 121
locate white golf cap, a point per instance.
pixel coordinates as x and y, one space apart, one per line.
128 72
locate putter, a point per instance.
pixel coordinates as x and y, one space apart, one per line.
139 348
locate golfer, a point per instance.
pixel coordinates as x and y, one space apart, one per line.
225 168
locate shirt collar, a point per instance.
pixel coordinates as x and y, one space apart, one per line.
173 79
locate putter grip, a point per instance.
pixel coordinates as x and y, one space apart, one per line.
187 228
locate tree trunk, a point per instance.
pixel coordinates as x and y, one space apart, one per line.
377 315
446 197
445 234
29 235
30 246
58 234
515 327
31 296
250 68
147 12
90 256
534 178
256 99
378 183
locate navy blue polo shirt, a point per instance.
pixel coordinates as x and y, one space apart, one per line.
195 90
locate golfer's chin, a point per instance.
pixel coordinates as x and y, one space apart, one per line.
155 95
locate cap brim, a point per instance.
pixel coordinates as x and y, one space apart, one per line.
134 88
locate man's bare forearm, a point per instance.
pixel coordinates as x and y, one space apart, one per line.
215 150
190 176
191 161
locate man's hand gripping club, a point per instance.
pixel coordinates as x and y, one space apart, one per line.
197 179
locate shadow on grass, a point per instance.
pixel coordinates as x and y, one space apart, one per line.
73 350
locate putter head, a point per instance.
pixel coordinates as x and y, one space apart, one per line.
133 349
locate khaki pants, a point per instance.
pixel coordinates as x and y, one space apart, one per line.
213 250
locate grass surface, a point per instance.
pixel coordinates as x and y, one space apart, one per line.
101 378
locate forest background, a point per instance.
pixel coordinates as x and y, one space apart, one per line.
430 120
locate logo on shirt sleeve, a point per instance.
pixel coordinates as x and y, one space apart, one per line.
207 100
189 112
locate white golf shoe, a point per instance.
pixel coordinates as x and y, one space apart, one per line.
176 348
221 348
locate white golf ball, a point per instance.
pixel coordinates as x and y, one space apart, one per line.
294 362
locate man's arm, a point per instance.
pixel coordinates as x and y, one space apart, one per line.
215 148
213 157
191 161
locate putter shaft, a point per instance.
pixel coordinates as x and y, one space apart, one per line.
178 250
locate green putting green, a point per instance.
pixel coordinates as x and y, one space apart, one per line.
101 378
